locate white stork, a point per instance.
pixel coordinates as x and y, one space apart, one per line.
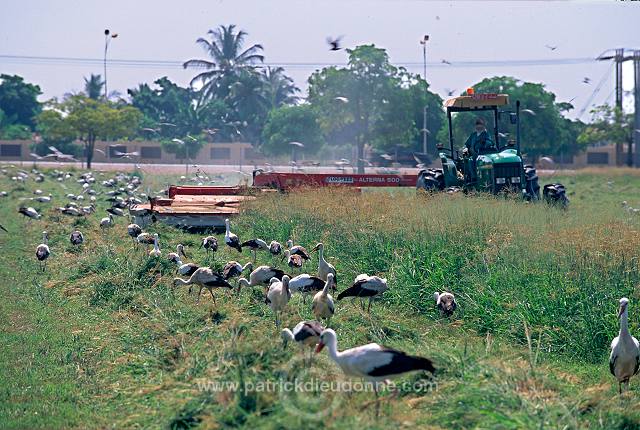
255 245
305 333
42 251
373 362
175 256
29 212
107 221
134 230
322 305
210 244
230 238
278 297
445 302
260 276
298 250
324 267
275 248
365 286
155 252
233 269
76 238
306 284
624 361
205 278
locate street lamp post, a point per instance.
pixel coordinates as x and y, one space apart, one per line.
107 37
423 42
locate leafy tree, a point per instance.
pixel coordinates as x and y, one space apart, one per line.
609 125
87 120
227 58
19 100
542 129
93 86
371 102
292 124
279 88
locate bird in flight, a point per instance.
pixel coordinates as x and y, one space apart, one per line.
551 48
342 99
334 43
445 62
586 80
449 92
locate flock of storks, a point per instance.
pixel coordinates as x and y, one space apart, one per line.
372 362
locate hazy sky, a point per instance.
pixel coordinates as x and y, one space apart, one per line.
295 32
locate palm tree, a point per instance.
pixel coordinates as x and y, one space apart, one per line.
227 60
93 86
279 88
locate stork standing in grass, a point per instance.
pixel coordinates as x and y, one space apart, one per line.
210 244
155 252
365 286
298 250
255 245
174 257
322 305
186 269
324 267
306 284
42 251
278 297
373 362
233 269
275 248
29 212
306 334
134 230
261 275
624 360
294 261
230 238
107 222
445 302
76 238
205 278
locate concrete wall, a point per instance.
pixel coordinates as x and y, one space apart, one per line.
150 152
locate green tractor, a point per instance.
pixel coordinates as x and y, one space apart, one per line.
495 169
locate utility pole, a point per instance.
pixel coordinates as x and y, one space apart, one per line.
636 96
423 42
619 58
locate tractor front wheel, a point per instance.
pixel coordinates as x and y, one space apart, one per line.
555 194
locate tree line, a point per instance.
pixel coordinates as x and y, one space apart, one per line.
367 104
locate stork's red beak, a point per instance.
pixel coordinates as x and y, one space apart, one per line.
319 347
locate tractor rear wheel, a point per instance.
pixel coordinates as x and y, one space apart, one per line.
430 180
555 194
532 186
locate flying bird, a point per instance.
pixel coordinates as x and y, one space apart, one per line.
342 99
334 43
445 62
586 80
529 111
551 48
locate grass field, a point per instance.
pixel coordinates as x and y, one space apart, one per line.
103 340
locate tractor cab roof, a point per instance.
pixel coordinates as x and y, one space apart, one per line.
476 102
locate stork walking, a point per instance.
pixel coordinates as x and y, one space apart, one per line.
261 275
42 251
255 245
624 360
306 334
231 239
373 362
365 286
204 277
278 297
322 305
210 244
324 267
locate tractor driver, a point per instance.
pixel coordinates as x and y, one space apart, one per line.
479 139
